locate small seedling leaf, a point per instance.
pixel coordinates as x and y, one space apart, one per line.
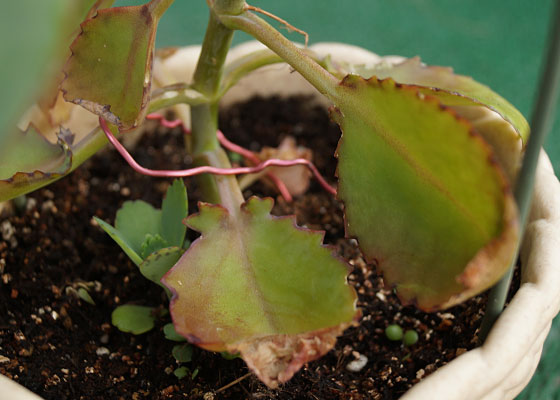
152 243
159 263
136 219
121 240
85 296
133 319
182 352
394 332
174 209
423 193
181 372
171 334
258 285
410 337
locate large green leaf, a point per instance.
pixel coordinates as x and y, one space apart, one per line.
499 123
260 286
110 70
28 161
423 193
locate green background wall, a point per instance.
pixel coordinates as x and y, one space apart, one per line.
497 42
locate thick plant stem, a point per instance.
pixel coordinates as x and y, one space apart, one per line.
206 80
204 117
319 77
230 7
541 122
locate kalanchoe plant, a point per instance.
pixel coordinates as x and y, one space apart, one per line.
426 163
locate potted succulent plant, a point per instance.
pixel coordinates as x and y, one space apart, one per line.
427 163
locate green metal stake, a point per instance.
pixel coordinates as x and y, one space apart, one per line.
541 123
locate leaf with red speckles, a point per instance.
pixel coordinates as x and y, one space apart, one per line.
110 70
422 193
260 286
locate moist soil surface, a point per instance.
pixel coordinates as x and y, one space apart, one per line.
61 347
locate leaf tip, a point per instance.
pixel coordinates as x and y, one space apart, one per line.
275 359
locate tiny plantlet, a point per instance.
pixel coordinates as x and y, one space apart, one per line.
394 332
410 337
427 163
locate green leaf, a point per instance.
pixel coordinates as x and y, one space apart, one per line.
182 352
174 209
181 372
85 296
30 74
134 220
171 334
423 193
98 5
134 319
497 121
121 241
110 71
152 243
159 263
28 161
255 284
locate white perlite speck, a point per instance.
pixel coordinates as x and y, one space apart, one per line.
102 351
358 364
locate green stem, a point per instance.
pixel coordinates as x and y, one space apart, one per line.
206 80
226 7
204 117
541 122
169 96
88 146
244 65
320 78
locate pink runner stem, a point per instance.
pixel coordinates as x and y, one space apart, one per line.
208 169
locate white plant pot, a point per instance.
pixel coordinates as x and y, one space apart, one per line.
503 366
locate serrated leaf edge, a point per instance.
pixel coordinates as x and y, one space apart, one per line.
509 214
104 110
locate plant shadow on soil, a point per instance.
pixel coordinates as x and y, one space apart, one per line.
64 348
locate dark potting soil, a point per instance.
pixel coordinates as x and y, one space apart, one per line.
62 347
